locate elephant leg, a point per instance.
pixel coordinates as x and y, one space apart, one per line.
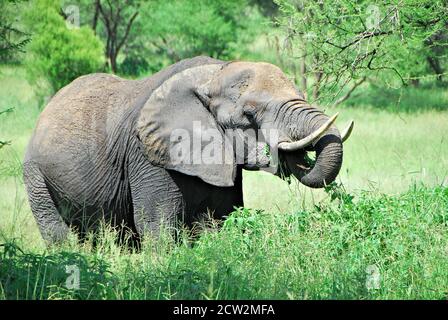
157 200
225 200
51 225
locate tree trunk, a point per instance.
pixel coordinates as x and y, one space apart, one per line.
303 77
316 89
96 15
434 63
113 62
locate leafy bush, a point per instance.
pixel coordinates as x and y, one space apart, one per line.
133 65
58 53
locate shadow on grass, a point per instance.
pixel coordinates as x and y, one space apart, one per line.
52 276
68 275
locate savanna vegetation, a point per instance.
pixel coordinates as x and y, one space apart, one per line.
379 232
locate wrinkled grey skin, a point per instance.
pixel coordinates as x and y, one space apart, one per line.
101 146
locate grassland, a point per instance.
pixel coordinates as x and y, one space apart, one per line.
295 243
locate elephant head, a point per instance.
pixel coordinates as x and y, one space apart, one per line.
221 97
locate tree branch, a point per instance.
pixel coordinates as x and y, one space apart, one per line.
362 36
128 29
4 143
95 16
349 92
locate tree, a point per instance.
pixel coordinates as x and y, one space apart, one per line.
58 53
118 17
168 31
344 42
12 39
267 7
142 37
186 29
112 21
436 46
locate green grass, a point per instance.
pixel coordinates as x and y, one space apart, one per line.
323 253
296 243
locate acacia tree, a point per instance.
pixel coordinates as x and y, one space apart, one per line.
11 38
341 43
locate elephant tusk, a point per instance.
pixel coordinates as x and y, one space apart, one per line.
303 143
348 131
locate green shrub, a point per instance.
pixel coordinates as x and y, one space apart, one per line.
57 53
134 65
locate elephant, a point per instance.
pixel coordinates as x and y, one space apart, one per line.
102 147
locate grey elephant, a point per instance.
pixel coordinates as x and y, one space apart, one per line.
103 147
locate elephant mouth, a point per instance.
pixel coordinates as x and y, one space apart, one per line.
319 169
298 164
316 171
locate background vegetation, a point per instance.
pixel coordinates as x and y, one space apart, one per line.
381 63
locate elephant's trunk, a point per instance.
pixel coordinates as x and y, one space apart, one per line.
328 151
328 162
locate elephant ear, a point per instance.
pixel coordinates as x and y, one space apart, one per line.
178 132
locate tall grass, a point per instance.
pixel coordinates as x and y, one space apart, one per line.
323 253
